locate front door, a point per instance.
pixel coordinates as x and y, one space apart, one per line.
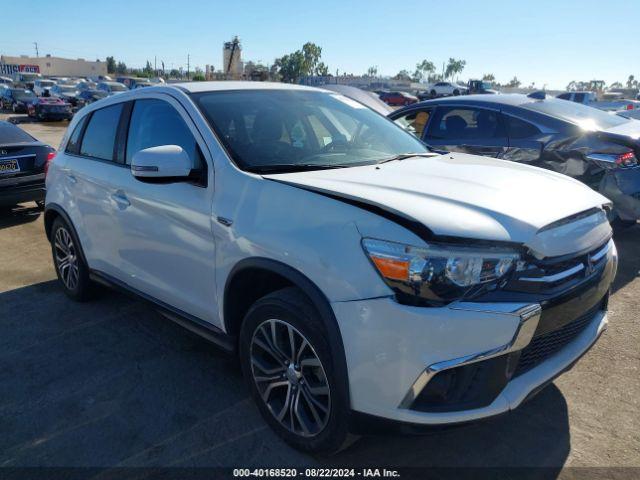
473 130
167 250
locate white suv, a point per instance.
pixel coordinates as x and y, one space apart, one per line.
359 276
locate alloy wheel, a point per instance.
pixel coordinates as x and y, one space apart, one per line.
290 378
66 258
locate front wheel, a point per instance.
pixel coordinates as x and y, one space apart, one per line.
287 362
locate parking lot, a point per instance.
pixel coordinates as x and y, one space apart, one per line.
112 383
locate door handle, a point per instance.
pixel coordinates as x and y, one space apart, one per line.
72 178
121 199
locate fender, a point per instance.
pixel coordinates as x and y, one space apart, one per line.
319 300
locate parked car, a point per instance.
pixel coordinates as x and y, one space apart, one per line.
144 84
16 99
68 93
131 82
49 108
6 81
23 165
89 96
480 87
358 276
597 148
443 89
25 79
86 85
609 103
398 98
112 87
42 86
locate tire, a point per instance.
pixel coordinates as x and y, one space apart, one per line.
65 246
302 376
456 92
433 94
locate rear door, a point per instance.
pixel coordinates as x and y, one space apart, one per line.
525 140
474 130
94 174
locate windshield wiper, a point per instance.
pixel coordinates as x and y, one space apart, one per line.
403 156
293 167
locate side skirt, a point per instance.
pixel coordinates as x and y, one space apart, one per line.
186 320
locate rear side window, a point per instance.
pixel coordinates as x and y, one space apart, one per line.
519 128
564 96
100 135
11 134
73 145
155 123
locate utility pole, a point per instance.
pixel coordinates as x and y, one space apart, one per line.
188 58
36 45
155 65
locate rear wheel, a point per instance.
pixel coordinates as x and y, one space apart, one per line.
433 94
286 360
71 269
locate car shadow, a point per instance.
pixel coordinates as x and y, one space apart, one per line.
627 242
19 215
111 382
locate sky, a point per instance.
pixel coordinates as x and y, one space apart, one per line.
547 42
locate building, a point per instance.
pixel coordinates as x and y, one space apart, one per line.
53 66
232 59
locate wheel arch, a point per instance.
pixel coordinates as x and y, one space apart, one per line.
53 211
238 298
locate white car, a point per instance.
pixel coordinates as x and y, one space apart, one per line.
441 89
42 86
359 277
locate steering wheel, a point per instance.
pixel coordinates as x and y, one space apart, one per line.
336 143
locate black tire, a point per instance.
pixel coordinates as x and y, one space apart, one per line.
433 94
456 92
329 432
62 235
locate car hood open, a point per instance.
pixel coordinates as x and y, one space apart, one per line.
462 195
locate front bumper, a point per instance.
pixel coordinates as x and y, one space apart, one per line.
393 351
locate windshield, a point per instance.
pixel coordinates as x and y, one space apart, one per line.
265 129
587 118
23 95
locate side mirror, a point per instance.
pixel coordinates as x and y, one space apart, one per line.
166 161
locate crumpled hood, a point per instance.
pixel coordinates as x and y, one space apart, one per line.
460 195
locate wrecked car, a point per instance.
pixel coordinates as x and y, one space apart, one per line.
592 146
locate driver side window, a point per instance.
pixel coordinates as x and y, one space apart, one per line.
155 123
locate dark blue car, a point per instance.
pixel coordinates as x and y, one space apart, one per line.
590 145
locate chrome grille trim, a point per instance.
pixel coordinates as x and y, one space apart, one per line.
555 277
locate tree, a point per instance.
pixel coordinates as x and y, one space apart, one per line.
174 73
632 82
618 85
305 62
148 69
423 70
403 75
514 83
121 68
454 67
111 65
489 77
372 72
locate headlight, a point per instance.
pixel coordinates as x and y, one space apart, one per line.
439 273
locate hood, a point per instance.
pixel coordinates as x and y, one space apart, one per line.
462 195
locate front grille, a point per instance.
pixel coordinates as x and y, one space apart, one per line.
544 346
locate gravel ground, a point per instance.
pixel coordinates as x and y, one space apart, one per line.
112 383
